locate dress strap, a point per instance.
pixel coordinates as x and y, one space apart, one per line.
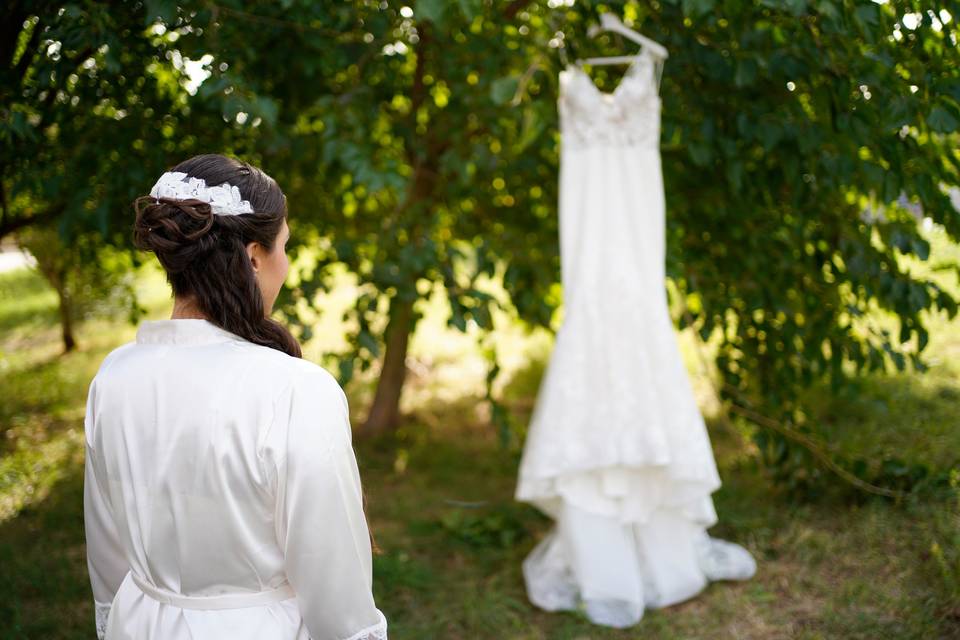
222 601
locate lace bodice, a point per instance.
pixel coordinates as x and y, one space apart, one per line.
628 116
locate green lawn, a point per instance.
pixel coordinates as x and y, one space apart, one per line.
440 498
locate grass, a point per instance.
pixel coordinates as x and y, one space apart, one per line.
440 499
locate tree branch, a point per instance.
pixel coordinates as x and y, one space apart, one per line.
277 22
515 7
3 200
9 226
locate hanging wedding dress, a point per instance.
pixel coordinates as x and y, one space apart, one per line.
617 451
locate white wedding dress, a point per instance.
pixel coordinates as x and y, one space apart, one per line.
617 451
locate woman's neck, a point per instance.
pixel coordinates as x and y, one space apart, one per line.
185 309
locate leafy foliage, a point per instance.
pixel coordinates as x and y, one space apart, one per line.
95 107
419 147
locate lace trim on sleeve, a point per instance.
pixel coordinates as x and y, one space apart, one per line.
102 612
376 632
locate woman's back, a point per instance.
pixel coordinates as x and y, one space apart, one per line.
180 414
221 476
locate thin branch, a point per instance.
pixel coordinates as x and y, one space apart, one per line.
277 22
536 65
815 448
417 92
515 7
4 211
9 226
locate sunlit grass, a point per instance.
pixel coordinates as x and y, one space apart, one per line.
43 390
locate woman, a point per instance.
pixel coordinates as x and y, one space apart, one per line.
222 498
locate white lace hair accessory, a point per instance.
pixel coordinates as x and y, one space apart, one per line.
224 200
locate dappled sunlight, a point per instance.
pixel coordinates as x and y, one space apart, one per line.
29 471
44 390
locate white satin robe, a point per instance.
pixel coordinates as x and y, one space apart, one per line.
222 498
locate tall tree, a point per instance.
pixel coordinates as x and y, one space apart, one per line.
422 140
419 147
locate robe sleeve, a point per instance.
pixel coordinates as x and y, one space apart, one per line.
106 561
321 525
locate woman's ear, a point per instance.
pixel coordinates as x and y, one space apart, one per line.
253 251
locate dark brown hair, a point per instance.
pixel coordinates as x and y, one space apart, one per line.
205 254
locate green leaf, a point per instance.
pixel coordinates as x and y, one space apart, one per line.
697 8
458 320
163 10
828 9
368 342
430 10
533 126
471 8
735 175
769 134
746 72
866 16
699 153
796 7
265 108
951 88
941 120
503 89
874 176
346 370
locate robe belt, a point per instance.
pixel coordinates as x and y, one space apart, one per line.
235 600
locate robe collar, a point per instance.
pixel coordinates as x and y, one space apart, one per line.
183 331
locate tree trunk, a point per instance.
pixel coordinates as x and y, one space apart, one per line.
66 319
384 415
